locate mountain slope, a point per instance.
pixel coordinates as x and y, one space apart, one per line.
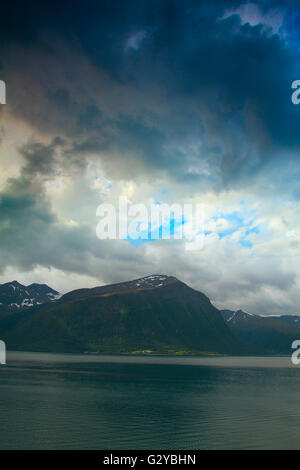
290 319
272 335
155 313
15 297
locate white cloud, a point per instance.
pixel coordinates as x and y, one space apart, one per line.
254 15
134 41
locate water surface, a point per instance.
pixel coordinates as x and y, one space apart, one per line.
60 401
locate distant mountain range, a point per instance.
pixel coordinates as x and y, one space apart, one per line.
272 334
155 314
14 296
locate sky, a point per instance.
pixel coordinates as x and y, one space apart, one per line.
159 101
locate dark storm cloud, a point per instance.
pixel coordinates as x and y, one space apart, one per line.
40 158
209 78
32 235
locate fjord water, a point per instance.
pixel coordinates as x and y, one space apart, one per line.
51 401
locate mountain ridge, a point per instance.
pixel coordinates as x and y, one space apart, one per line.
155 313
269 334
15 296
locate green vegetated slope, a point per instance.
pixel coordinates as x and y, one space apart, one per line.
268 335
157 314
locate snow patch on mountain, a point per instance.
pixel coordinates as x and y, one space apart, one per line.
17 297
155 280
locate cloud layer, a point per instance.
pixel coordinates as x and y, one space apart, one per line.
162 101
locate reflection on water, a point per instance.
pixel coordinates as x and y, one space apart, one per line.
55 401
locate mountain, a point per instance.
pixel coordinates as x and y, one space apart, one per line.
273 335
15 297
236 317
157 313
290 319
